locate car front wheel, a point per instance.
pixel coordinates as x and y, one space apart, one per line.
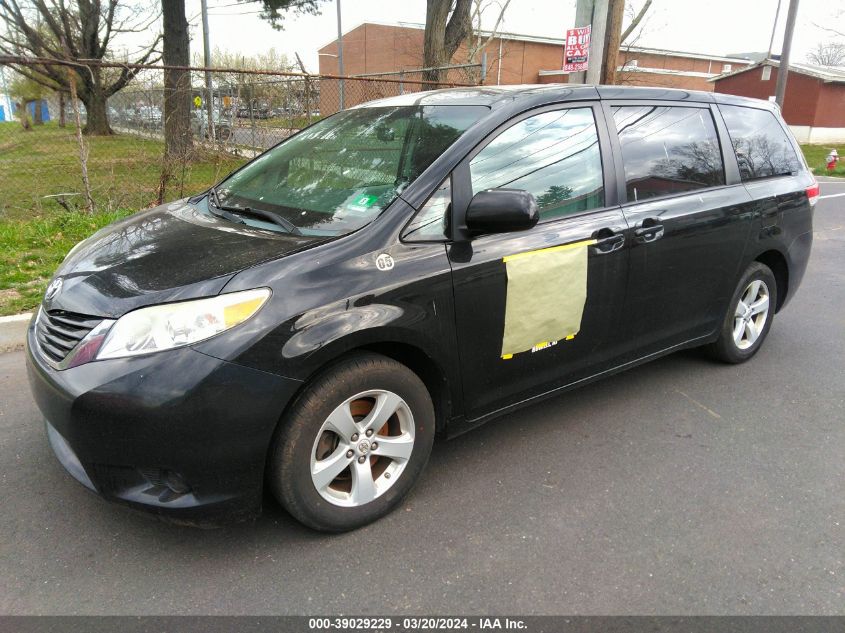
353 444
749 316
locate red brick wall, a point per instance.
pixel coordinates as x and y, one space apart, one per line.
830 111
630 77
372 48
805 102
377 48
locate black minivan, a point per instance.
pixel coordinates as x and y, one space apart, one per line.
412 266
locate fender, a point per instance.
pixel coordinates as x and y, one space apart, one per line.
322 334
380 328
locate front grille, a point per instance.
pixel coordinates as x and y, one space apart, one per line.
58 332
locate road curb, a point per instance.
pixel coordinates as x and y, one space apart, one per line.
13 332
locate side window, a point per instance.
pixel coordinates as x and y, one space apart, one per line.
761 145
554 155
431 221
668 150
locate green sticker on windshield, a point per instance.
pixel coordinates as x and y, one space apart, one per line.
361 203
365 201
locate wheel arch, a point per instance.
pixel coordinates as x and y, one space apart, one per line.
428 370
414 357
777 263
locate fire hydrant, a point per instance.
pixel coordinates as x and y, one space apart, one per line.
832 159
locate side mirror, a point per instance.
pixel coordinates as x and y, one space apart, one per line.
501 211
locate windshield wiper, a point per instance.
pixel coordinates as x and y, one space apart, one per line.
221 212
276 219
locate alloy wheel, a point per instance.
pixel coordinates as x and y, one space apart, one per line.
362 448
751 313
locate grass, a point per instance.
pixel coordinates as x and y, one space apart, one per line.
815 155
31 250
124 171
36 232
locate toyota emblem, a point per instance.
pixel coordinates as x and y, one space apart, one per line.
53 288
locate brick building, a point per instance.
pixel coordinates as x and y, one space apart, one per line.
814 103
511 59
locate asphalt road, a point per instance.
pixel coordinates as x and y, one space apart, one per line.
262 136
680 487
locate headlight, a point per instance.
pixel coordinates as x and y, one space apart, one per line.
172 325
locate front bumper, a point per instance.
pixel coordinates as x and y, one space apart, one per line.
178 433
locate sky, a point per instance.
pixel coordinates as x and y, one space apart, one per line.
716 26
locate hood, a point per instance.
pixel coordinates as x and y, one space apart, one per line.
170 253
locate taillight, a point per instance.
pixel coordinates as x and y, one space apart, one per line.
813 193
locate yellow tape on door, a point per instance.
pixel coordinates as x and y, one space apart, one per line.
547 290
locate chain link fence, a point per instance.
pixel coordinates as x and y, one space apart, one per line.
241 115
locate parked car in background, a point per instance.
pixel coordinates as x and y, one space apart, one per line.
222 125
149 117
69 113
415 265
254 111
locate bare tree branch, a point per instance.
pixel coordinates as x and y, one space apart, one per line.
636 21
827 54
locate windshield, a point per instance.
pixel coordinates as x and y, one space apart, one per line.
339 174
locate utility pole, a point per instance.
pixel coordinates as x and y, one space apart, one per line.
774 28
583 17
206 47
307 88
339 53
610 59
783 67
594 14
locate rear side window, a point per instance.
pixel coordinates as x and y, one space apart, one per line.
553 155
760 142
668 150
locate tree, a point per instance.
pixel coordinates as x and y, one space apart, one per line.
273 10
261 88
612 40
479 39
271 59
829 54
70 31
637 26
177 83
447 24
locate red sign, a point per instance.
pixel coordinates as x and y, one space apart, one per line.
576 52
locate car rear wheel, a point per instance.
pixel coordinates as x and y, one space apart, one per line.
749 316
353 444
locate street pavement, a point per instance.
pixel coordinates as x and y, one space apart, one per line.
680 487
259 136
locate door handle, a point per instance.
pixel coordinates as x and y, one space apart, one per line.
649 231
607 241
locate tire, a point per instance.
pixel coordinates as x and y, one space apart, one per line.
745 326
327 430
